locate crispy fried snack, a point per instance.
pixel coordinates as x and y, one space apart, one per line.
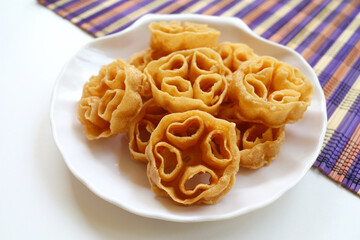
173 36
234 54
187 80
258 144
141 59
193 157
110 100
141 128
270 92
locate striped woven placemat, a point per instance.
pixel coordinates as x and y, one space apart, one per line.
326 33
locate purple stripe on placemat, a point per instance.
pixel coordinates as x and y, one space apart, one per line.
274 28
304 23
65 5
222 10
339 58
47 3
268 13
339 139
118 16
208 6
343 88
183 7
319 29
333 37
352 178
84 9
334 101
131 22
246 10
101 12
331 153
351 120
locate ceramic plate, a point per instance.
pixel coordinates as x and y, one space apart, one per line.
105 166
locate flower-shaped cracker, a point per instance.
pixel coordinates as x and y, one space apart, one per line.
110 100
173 36
141 128
270 92
234 54
258 144
193 157
188 80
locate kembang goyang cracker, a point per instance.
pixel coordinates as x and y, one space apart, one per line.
141 128
194 110
174 36
270 92
258 143
188 80
234 54
110 100
193 157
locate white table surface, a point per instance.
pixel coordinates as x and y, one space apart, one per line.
41 199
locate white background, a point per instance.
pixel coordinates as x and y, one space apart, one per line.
40 198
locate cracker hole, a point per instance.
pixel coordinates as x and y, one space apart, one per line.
188 132
218 148
256 132
258 87
225 53
144 132
241 56
278 97
199 178
175 64
169 157
206 84
203 63
181 87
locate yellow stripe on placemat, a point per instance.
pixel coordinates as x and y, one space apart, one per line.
335 48
197 6
233 10
94 10
348 155
338 116
56 4
313 24
276 17
141 11
216 7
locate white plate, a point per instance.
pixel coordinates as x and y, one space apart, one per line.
106 168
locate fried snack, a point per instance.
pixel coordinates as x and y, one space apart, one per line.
188 80
173 36
110 100
141 128
258 144
234 54
275 92
141 59
193 157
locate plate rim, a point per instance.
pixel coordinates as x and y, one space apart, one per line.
185 17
